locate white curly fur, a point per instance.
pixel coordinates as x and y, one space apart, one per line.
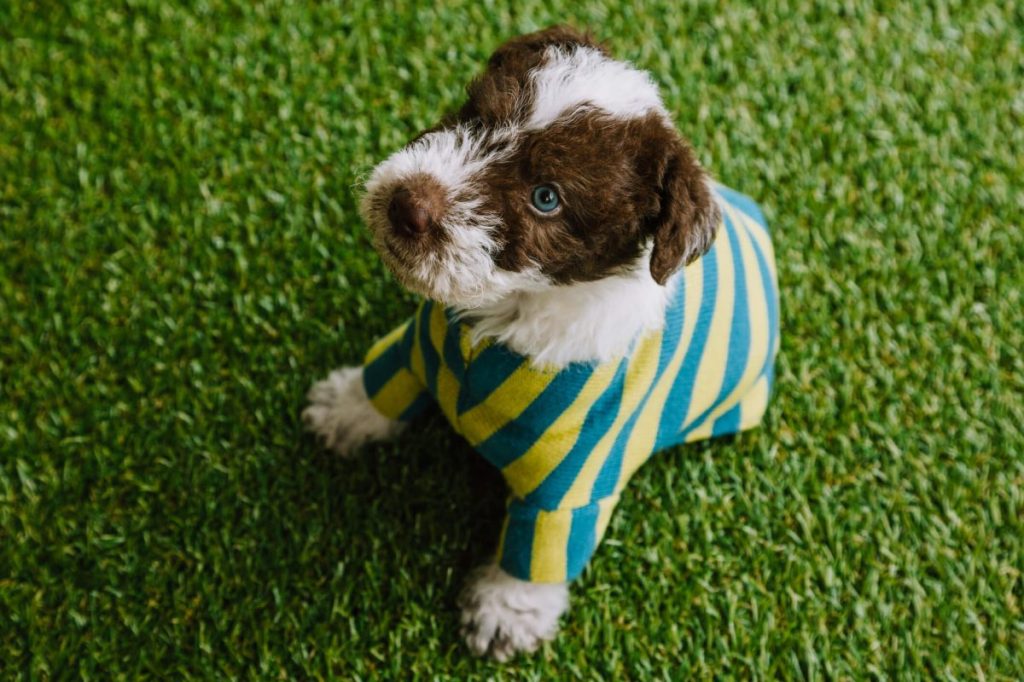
582 76
582 322
502 615
342 415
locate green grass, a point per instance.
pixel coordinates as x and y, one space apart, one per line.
180 256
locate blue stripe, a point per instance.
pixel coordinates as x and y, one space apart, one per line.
743 203
608 478
600 417
487 372
517 551
422 402
431 359
386 365
675 317
772 294
452 351
678 402
513 439
582 540
380 371
728 422
739 329
739 334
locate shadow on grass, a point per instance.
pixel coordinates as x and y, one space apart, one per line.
412 517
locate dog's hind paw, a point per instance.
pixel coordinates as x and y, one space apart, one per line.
502 615
341 414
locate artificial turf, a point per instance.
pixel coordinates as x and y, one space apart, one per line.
181 256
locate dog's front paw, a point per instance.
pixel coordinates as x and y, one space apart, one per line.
502 615
342 415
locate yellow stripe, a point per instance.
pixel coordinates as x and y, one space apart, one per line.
448 395
753 405
759 234
447 384
547 452
438 327
550 540
645 431
711 369
757 309
465 343
505 403
385 342
606 507
642 367
397 394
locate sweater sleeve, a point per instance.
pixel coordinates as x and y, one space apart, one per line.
551 545
389 378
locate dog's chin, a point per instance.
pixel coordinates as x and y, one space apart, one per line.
452 296
428 277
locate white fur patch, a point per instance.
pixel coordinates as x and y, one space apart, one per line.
568 80
453 156
342 415
583 322
502 615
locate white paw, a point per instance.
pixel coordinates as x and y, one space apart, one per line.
342 415
502 615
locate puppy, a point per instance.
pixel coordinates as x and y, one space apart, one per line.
547 223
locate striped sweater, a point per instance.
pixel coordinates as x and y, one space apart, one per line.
567 440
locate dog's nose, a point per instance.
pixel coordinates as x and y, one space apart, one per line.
407 216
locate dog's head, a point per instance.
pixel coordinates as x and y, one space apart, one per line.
562 166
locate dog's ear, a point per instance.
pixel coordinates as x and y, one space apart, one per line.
684 216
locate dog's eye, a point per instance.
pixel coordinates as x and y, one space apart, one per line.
544 198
